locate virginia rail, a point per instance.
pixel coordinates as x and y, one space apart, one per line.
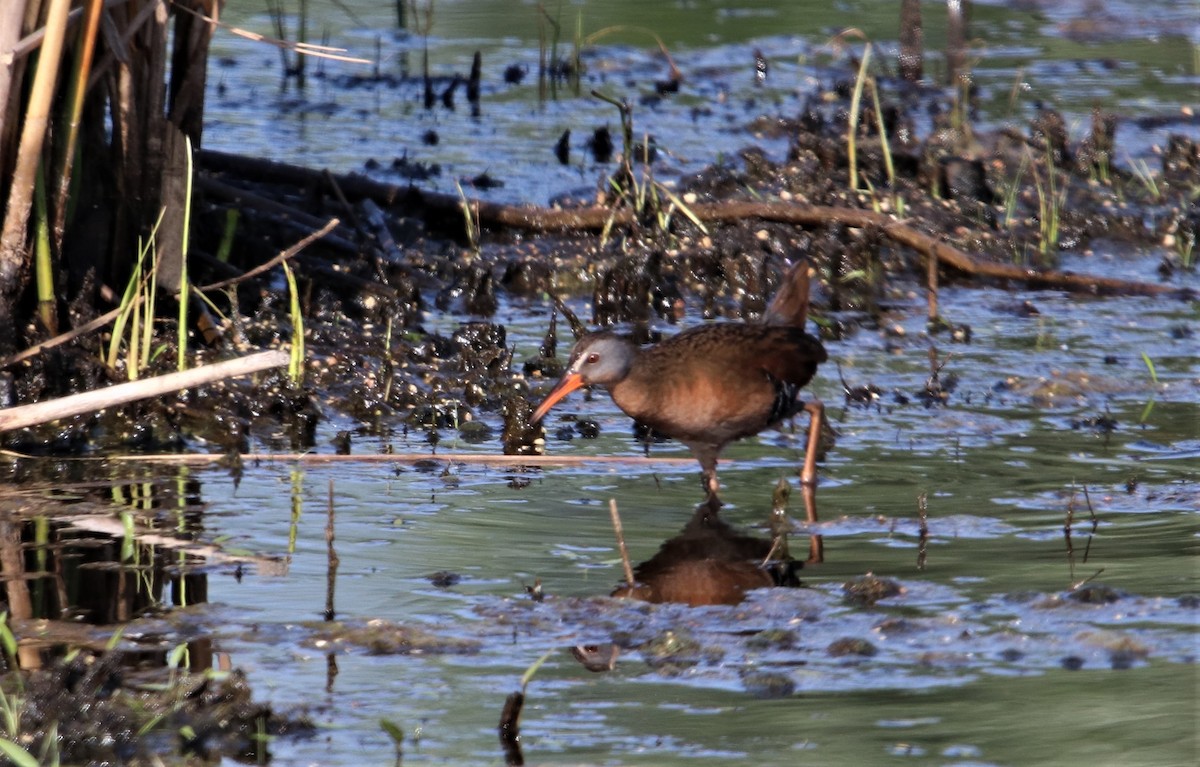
712 384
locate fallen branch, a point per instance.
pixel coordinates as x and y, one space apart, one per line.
931 247
284 255
98 399
548 220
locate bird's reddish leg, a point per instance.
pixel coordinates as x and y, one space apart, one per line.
808 477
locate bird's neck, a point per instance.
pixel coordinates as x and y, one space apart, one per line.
636 392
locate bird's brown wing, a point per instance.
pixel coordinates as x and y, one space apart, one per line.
790 355
716 383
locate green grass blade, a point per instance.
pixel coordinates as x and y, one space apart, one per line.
1150 366
537 664
296 359
17 755
852 130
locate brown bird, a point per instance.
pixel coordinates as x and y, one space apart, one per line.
712 384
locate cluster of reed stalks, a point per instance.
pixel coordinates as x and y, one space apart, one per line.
100 108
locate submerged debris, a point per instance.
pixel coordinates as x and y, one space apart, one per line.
382 637
866 590
851 646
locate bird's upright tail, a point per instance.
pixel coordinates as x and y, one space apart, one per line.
789 305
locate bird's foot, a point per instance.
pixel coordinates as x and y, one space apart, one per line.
707 510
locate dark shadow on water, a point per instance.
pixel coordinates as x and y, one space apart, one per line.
710 562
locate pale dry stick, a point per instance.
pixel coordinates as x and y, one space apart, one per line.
111 396
62 338
11 17
620 532
108 317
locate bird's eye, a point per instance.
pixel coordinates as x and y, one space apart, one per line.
592 358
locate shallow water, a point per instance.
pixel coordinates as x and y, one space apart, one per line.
982 660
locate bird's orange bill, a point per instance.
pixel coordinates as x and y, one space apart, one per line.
568 384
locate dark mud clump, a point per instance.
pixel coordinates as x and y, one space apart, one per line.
867 590
95 710
380 637
851 647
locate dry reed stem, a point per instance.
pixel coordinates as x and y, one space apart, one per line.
13 251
